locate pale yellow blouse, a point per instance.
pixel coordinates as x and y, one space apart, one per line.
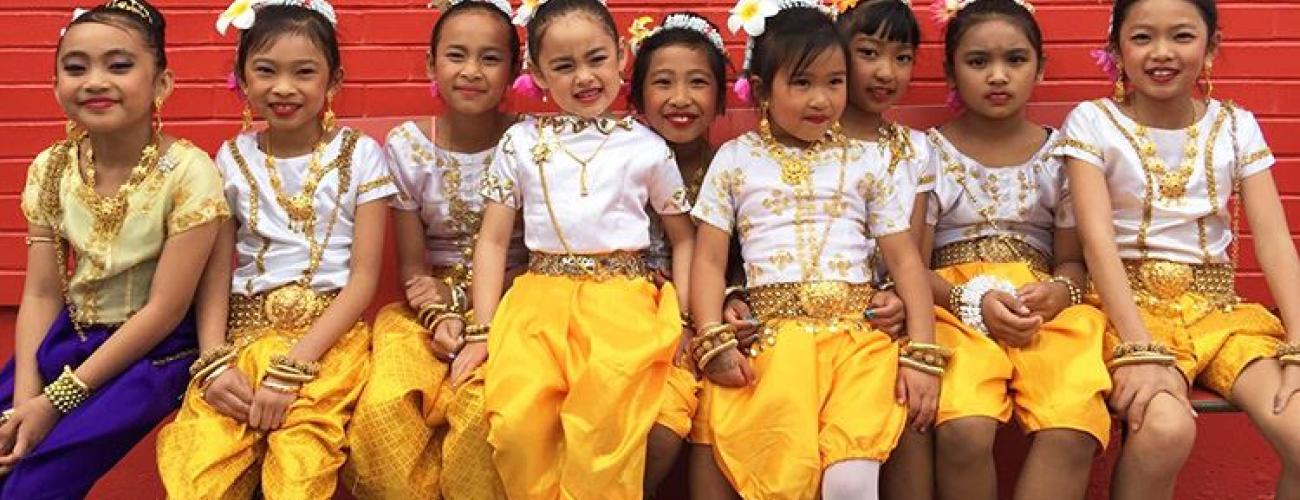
115 265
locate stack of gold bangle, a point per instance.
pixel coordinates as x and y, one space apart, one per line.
928 358
212 364
1288 354
713 339
433 314
1076 293
1134 353
287 375
67 392
476 333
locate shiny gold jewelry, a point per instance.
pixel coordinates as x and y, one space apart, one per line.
31 240
132 6
1209 83
1135 353
288 375
438 320
292 365
476 333
795 170
246 119
955 293
1173 183
1076 294
300 207
737 291
212 377
1288 354
582 163
927 357
1120 93
430 311
157 116
328 120
280 387
67 392
210 356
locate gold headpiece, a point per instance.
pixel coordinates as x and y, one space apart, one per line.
132 6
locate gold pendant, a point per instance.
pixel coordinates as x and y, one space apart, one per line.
292 306
541 153
795 172
1166 280
824 298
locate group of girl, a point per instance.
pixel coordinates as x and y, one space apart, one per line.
867 302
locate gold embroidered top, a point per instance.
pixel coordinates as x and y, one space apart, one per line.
115 261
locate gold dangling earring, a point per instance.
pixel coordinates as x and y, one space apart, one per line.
1209 84
157 117
247 120
327 122
1120 94
764 126
73 131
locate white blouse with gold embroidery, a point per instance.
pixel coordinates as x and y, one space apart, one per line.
443 188
913 175
1230 145
115 268
799 234
1025 201
629 167
271 253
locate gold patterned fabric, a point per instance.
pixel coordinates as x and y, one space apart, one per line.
993 249
815 299
1182 292
115 260
206 455
597 267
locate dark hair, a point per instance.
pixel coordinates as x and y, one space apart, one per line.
795 36
977 13
684 37
891 18
512 44
1207 8
554 9
151 27
275 21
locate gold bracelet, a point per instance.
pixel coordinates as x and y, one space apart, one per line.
481 329
1288 354
39 239
739 290
433 325
292 376
927 357
1140 353
1076 293
712 342
280 387
211 377
713 353
67 392
470 339
311 368
924 368
429 311
226 360
207 359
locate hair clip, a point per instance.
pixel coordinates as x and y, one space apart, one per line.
640 29
243 13
751 15
132 6
945 10
444 5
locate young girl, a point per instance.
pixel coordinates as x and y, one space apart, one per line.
679 86
1152 170
1008 269
271 397
804 201
415 432
883 37
582 345
101 354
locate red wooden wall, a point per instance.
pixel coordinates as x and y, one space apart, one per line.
384 56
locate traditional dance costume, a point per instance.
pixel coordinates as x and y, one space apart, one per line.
117 241
803 235
293 254
581 345
1169 192
996 225
412 435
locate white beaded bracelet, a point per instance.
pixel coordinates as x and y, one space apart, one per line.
972 295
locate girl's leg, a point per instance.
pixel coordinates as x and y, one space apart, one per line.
1151 457
1058 465
964 458
909 472
662 449
852 480
1253 392
707 481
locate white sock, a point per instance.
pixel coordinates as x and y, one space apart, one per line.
852 480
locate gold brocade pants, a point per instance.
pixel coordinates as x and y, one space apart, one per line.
205 455
575 378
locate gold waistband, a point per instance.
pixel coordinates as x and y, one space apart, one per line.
596 267
290 307
817 300
1163 283
999 249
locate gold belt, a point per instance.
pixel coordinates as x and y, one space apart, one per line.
596 267
816 299
1162 282
290 307
991 249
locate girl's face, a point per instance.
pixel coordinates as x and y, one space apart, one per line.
805 105
288 82
881 70
472 62
579 63
680 93
106 78
1163 46
995 68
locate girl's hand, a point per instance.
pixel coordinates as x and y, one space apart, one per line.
1136 385
1045 300
1289 386
425 290
737 313
661 276
1008 320
885 312
230 394
920 392
471 356
30 423
730 369
269 409
447 340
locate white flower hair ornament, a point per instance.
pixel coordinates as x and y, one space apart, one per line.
640 30
444 5
945 10
76 14
751 16
243 13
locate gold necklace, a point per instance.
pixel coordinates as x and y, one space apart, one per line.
109 212
582 164
796 170
1173 183
809 248
301 206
